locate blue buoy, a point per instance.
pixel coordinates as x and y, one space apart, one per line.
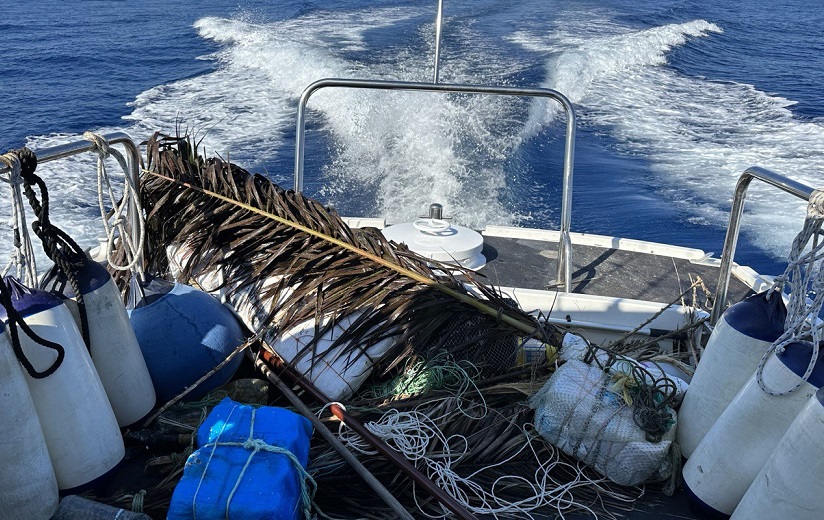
184 333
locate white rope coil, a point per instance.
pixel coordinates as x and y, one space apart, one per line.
803 273
22 258
416 436
121 219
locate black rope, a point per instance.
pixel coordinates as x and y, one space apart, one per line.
651 400
61 249
652 397
14 320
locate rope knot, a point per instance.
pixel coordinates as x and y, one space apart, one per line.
257 445
13 162
815 206
99 145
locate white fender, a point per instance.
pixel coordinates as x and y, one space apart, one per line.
735 449
737 344
114 348
28 487
78 423
789 484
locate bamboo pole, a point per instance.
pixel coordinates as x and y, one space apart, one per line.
347 455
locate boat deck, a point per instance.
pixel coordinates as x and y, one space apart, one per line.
614 272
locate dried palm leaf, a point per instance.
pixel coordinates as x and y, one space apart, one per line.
299 261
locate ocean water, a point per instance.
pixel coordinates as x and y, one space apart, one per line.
675 100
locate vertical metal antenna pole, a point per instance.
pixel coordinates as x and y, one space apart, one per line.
438 40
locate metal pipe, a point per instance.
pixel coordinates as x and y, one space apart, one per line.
788 185
324 432
438 23
267 355
565 244
62 151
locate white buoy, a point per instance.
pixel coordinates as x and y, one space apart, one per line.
78 423
114 349
28 487
789 485
738 342
730 456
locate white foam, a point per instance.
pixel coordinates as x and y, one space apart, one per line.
699 135
410 149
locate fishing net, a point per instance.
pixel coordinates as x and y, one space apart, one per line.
578 411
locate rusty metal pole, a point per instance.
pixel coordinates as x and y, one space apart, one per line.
447 500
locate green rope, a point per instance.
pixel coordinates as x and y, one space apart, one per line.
137 501
211 399
424 376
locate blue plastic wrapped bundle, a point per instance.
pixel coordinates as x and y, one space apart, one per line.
249 466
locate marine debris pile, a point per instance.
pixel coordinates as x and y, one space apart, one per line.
424 356
302 368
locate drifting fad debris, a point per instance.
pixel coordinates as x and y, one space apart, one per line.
430 371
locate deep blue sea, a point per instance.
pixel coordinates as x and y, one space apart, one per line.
675 100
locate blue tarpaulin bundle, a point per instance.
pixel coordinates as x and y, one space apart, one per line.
249 465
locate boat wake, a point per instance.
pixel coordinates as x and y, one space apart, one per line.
698 135
393 153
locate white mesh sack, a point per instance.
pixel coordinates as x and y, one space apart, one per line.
576 411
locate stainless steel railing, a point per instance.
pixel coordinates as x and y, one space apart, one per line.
801 191
62 151
564 276
438 24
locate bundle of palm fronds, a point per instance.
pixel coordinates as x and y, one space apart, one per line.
480 446
296 261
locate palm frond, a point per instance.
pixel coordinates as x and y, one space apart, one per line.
296 260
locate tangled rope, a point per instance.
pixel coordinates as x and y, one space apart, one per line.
130 199
649 396
416 435
438 373
61 249
803 273
23 255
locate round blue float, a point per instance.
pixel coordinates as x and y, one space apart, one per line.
184 334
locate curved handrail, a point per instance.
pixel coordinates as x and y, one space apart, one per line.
564 276
788 185
62 151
